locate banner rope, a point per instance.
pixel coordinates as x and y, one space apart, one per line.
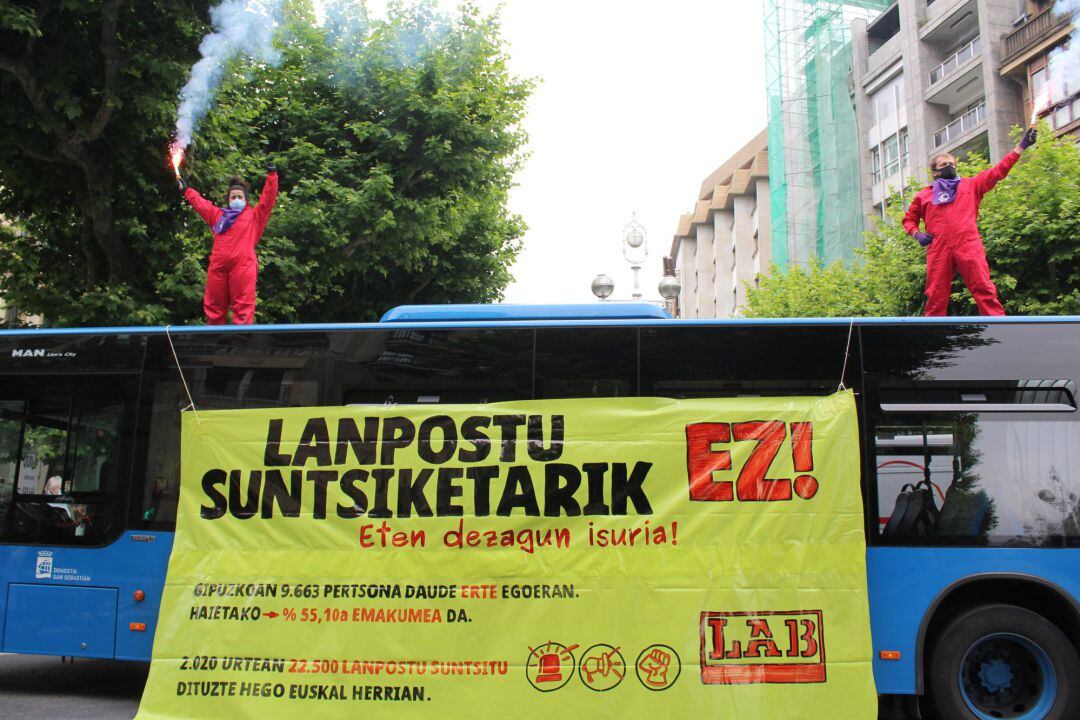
183 380
847 354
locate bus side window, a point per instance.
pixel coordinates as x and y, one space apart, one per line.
407 366
961 478
161 482
586 362
11 419
727 361
69 461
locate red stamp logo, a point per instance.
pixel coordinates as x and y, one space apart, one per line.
762 647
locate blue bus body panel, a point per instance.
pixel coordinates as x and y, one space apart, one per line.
906 582
54 599
61 620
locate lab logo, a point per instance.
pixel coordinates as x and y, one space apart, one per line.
943 197
44 566
740 648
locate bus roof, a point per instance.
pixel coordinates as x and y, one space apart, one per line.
530 316
499 311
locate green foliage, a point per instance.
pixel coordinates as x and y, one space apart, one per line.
18 18
1030 224
887 280
396 139
89 89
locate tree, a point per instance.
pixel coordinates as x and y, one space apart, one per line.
87 87
1029 224
887 279
397 141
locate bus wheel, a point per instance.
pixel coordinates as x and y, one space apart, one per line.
1002 662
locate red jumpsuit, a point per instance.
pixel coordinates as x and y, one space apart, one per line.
957 245
230 279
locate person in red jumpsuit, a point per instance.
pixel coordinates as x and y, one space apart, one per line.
237 228
950 209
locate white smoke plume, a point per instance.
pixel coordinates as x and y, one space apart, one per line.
240 28
1064 61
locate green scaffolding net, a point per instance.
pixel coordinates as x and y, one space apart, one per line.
816 209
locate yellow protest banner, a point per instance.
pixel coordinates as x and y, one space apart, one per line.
630 558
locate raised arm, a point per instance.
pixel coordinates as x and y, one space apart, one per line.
268 197
206 209
987 179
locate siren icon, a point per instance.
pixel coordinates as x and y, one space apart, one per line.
550 666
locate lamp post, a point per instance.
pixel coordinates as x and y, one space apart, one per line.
669 290
635 250
603 286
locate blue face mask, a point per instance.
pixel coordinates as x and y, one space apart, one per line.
237 204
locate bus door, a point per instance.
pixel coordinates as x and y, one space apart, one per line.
65 471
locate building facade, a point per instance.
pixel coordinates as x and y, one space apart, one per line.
814 166
725 242
1037 55
926 80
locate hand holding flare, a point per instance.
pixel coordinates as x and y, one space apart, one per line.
176 156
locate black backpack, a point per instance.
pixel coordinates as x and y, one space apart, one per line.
915 513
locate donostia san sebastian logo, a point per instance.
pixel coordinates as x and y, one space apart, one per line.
44 566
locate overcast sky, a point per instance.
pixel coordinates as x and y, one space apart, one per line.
638 102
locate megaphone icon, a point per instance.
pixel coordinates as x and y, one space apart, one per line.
602 665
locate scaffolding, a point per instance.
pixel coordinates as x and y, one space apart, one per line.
815 201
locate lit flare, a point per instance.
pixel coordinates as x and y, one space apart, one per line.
176 156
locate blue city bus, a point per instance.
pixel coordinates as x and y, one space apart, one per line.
970 449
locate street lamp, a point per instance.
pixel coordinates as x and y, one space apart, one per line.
669 290
635 250
603 286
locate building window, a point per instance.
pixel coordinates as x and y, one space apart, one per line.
875 161
1038 82
904 148
891 148
885 103
1062 91
1067 113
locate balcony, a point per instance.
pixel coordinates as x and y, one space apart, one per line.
1037 29
954 61
960 126
949 21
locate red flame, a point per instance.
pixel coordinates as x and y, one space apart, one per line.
176 155
1040 103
